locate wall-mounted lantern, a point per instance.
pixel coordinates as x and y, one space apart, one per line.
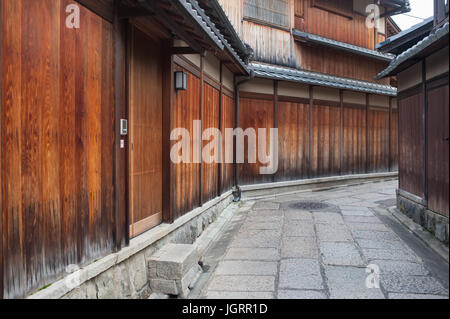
180 81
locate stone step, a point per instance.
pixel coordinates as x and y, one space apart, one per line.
174 269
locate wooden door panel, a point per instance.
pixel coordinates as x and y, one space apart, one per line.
145 133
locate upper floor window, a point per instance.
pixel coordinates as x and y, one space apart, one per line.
271 12
342 7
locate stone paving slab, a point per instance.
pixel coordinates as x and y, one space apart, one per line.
239 267
412 284
401 268
299 247
340 254
415 296
245 295
374 235
362 219
380 244
243 283
281 252
301 294
257 239
266 205
333 233
300 274
350 283
298 228
368 226
328 218
252 254
390 254
298 215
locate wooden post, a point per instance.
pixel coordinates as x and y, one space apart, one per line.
221 157
390 134
168 175
425 133
341 131
367 132
202 102
121 210
275 111
311 102
1 152
236 125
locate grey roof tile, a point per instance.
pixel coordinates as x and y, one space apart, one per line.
313 78
413 51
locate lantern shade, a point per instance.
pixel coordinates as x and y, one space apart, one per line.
180 81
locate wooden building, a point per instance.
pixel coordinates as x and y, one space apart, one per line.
314 64
422 72
77 182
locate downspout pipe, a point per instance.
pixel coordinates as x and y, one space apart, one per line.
236 188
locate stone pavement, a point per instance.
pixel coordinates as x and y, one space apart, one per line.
276 248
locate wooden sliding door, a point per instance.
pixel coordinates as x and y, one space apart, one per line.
145 115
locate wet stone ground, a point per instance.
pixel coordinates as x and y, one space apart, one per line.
318 245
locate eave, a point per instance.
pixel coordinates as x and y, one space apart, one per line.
424 48
312 78
342 46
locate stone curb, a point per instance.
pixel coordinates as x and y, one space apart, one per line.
270 190
425 236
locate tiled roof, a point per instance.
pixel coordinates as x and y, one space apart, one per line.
210 28
413 51
343 46
313 78
405 32
192 8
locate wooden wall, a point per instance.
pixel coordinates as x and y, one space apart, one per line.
208 101
276 45
293 141
411 141
438 149
337 27
57 142
318 138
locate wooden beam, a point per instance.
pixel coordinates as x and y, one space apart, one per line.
182 50
133 12
102 8
168 174
121 209
175 28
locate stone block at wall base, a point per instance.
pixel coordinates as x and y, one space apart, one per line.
433 222
173 269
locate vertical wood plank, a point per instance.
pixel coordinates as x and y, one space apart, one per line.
168 175
311 106
221 156
341 130
367 133
1 149
202 102
425 127
275 117
120 177
390 134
